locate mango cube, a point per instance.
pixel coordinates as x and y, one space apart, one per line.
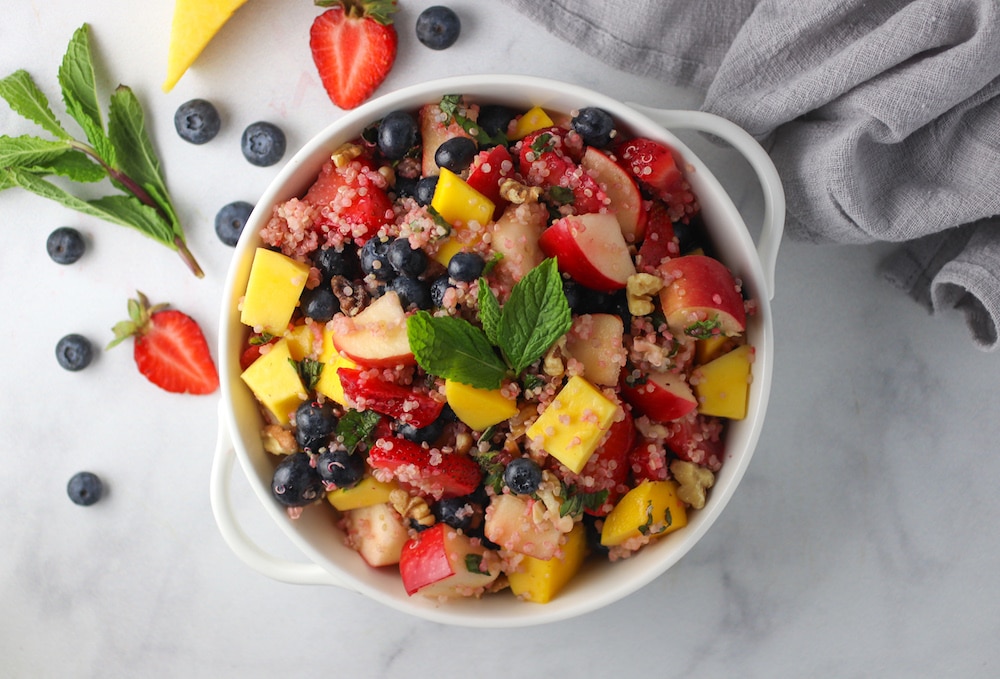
273 289
709 348
540 580
368 492
460 205
300 342
650 509
533 119
574 423
328 383
722 385
275 381
479 408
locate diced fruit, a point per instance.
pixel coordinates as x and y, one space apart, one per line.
723 385
697 438
434 132
515 236
376 532
329 383
597 341
351 199
626 201
376 337
654 166
489 169
429 470
467 210
608 468
591 249
573 424
195 23
534 119
368 491
702 298
441 562
547 159
649 510
479 408
273 291
510 523
659 243
662 396
541 580
712 347
365 391
647 461
275 381
300 341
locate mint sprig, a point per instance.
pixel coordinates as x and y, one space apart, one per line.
451 106
119 150
535 316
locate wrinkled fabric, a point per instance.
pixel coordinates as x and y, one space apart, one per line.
882 117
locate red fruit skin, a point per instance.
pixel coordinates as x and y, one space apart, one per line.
172 353
699 282
424 560
368 208
488 171
403 403
353 55
655 168
660 243
555 168
647 461
697 438
662 397
412 464
559 240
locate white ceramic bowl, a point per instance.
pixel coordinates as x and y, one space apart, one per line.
326 559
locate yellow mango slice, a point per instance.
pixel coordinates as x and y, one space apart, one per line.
460 205
651 508
479 408
533 119
369 492
275 381
722 385
707 349
194 25
273 289
328 383
300 342
574 423
540 580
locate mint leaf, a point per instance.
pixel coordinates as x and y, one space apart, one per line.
79 92
489 312
534 317
451 106
356 426
45 157
24 97
454 349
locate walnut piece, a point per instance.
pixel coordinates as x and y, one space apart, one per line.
345 154
693 481
411 507
517 193
278 440
639 291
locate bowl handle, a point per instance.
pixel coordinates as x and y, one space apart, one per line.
760 161
296 573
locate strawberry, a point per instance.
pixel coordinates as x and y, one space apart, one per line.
654 167
353 46
607 469
647 461
546 160
351 199
660 243
697 438
169 348
428 470
489 169
403 403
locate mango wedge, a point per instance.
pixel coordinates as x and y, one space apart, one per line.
541 580
650 509
723 384
479 408
194 25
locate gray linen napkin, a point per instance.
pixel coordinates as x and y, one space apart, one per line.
882 116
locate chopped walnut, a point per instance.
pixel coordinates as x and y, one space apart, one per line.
352 295
693 481
345 154
517 193
639 291
278 440
411 507
552 364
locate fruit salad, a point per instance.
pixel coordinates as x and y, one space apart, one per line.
496 344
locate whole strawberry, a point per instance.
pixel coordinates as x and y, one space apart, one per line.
169 349
353 46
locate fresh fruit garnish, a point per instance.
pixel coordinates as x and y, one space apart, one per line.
230 220
194 25
65 245
353 46
548 158
74 352
655 168
263 143
434 472
438 27
85 488
197 121
169 348
405 404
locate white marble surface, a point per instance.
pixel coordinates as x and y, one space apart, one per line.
863 542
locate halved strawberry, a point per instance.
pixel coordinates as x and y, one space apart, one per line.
169 348
697 438
654 167
546 160
428 470
353 46
660 243
351 199
489 169
368 392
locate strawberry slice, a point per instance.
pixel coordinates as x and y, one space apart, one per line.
367 392
489 169
353 46
428 470
647 461
351 199
654 167
169 348
697 438
545 159
660 243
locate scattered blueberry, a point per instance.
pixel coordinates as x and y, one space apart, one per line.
594 125
456 154
340 468
74 352
397 133
65 245
690 235
577 296
230 220
332 262
523 475
263 143
438 27
405 187
466 267
429 434
425 190
319 304
439 287
296 483
457 512
494 119
375 259
85 488
314 423
405 259
197 121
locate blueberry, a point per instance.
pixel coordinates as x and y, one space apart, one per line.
263 143
438 27
425 190
466 266
296 483
594 125
74 352
522 475
314 423
85 488
397 133
412 292
494 119
230 220
332 262
457 512
456 154
405 259
429 434
375 259
197 121
340 467
319 304
439 287
405 187
690 235
577 296
65 245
